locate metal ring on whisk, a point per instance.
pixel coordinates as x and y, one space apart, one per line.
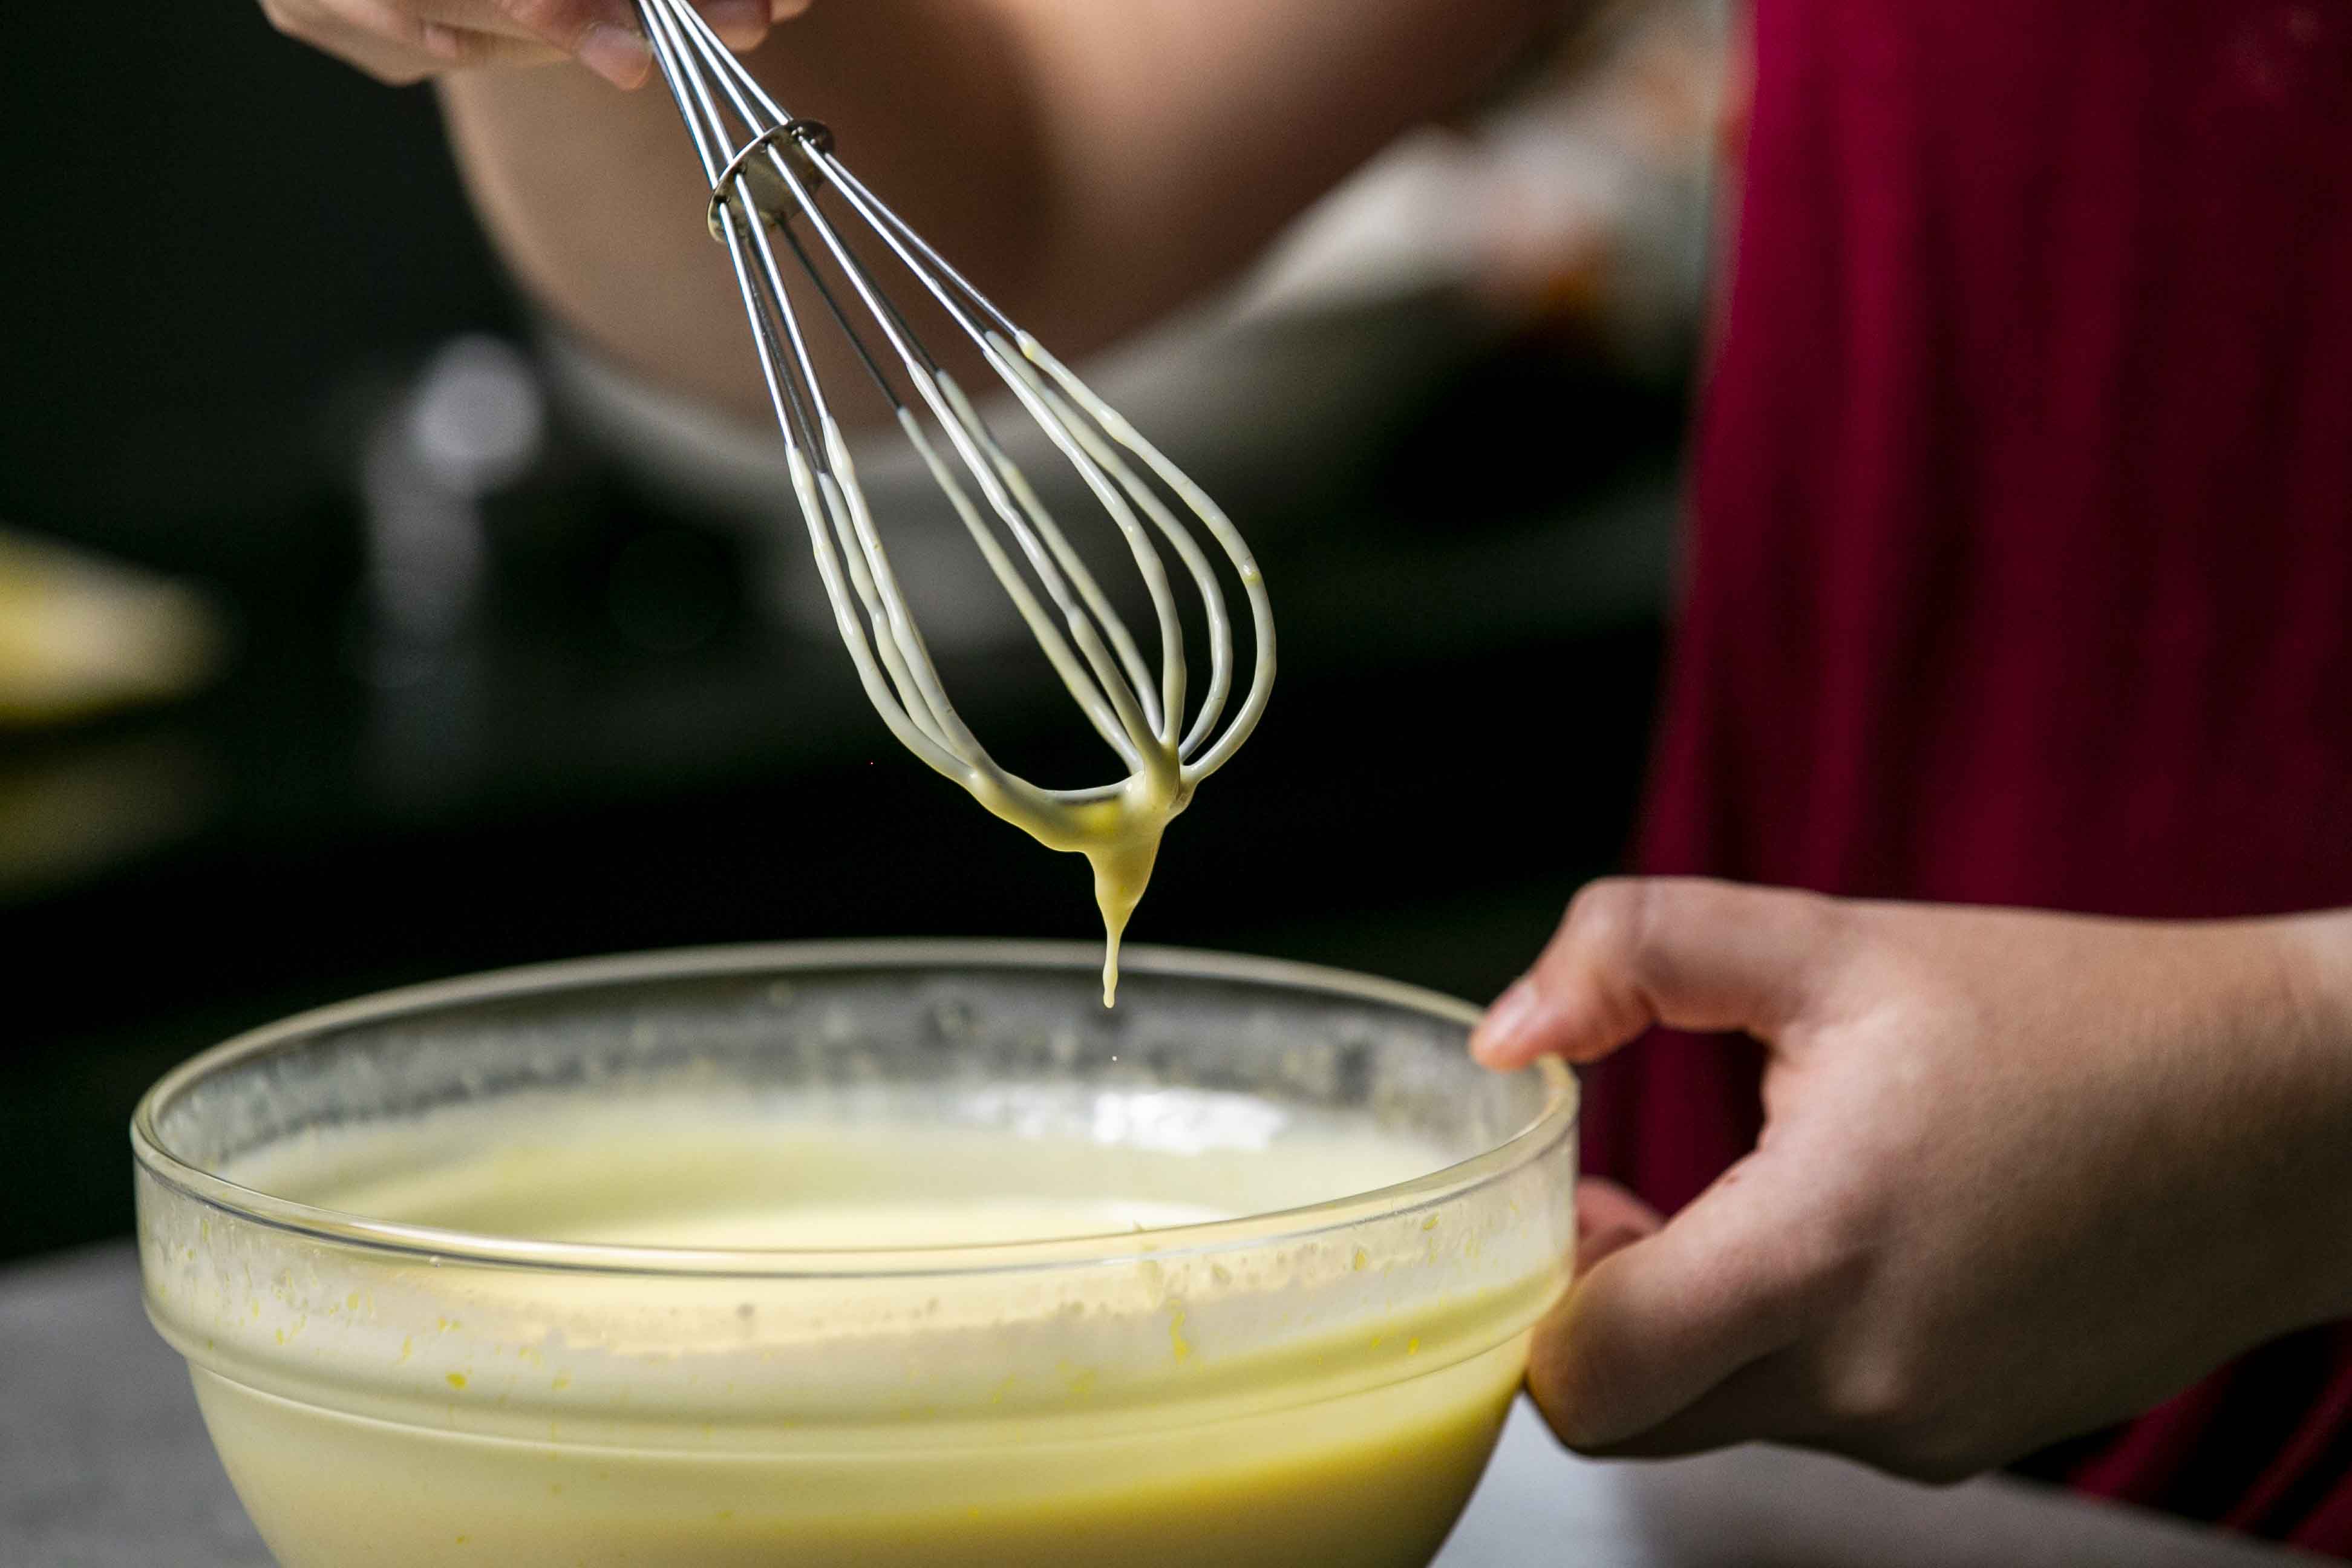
813 136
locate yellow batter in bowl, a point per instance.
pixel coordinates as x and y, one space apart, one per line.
896 1254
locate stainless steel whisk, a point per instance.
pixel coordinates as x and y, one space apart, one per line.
770 173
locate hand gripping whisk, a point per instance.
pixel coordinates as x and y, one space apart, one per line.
768 173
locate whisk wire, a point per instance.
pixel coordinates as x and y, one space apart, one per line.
1017 505
766 171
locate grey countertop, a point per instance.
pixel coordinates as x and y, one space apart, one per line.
104 1464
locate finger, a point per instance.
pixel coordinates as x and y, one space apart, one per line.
460 49
486 18
740 23
600 33
401 43
369 34
1687 953
1608 1219
1659 1323
1768 1400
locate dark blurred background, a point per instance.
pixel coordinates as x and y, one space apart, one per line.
351 636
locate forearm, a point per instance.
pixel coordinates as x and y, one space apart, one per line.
1089 164
2319 1023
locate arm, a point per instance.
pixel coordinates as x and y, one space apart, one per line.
2021 1175
1088 163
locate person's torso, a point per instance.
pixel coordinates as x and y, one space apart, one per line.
2021 567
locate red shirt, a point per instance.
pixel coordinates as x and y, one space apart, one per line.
2020 568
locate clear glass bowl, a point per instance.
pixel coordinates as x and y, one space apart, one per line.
1319 1381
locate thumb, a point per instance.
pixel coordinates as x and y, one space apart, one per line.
1683 951
1658 1324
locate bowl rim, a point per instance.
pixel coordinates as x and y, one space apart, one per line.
1556 1119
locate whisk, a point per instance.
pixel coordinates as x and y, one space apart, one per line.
777 185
